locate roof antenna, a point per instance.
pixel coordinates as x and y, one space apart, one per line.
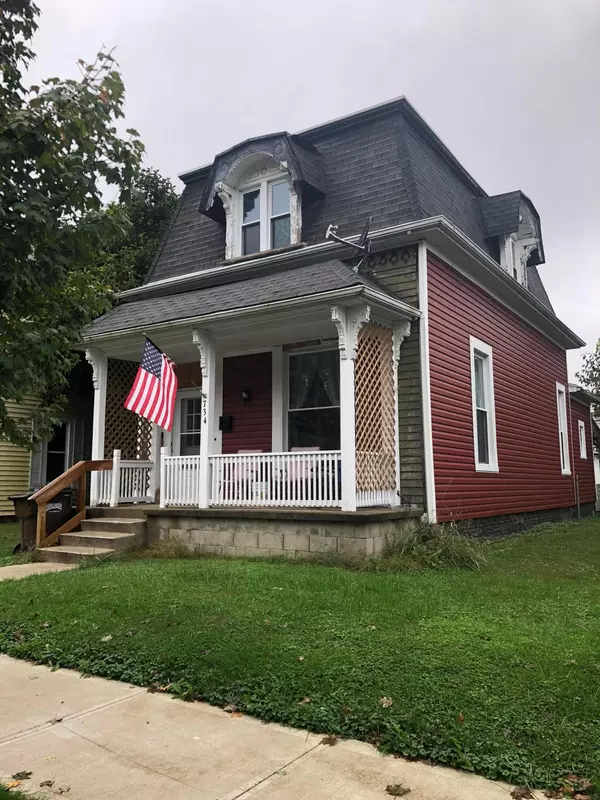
363 245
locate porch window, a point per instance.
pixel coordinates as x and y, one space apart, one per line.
484 419
189 433
314 400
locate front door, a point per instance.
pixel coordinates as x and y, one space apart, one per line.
186 427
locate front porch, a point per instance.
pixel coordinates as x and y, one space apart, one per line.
310 422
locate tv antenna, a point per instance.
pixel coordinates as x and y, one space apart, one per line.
363 245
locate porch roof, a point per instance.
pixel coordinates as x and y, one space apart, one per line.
301 282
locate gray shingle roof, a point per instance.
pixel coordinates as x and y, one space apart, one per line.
295 283
386 164
501 213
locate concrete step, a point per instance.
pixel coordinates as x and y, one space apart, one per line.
65 554
109 540
116 524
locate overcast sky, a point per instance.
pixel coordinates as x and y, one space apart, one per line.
511 86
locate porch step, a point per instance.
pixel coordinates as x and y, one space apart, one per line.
105 540
131 525
65 554
122 512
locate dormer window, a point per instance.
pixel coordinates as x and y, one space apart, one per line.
265 223
511 258
262 206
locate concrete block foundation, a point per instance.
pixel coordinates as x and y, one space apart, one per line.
280 532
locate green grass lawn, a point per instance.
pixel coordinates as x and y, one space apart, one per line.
496 671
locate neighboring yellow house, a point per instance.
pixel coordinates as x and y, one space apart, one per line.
15 462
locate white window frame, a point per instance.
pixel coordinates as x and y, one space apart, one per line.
484 349
511 258
265 216
563 429
176 437
582 439
286 388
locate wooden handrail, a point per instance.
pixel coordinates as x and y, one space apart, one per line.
42 497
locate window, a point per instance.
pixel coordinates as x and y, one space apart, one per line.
484 415
563 438
511 259
266 217
314 400
582 441
57 451
190 411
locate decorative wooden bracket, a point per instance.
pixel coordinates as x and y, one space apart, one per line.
348 322
203 342
401 331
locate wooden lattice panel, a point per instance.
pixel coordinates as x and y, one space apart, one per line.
375 409
124 430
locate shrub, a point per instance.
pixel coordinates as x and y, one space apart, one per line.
434 547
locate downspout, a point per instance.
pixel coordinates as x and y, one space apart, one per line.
431 512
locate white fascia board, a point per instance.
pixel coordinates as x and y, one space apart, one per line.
351 295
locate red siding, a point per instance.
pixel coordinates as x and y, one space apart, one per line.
526 369
252 421
584 468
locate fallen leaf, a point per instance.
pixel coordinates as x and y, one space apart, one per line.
46 625
304 700
47 784
300 658
581 797
372 627
396 789
50 758
24 775
230 708
64 789
13 784
461 718
237 714
330 740
106 638
521 793
571 662
386 702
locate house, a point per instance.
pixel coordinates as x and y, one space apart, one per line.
323 395
21 470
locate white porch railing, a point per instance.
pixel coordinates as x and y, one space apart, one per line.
309 479
372 498
179 481
126 482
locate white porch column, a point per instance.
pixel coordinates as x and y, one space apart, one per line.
99 363
206 348
348 322
400 332
277 399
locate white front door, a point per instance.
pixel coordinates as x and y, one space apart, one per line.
187 423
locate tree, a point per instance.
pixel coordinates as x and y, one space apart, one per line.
149 209
589 374
59 145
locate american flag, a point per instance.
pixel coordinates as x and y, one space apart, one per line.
155 388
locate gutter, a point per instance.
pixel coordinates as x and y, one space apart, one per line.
395 235
358 292
294 258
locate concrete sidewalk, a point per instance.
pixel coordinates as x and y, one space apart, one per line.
104 739
15 571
